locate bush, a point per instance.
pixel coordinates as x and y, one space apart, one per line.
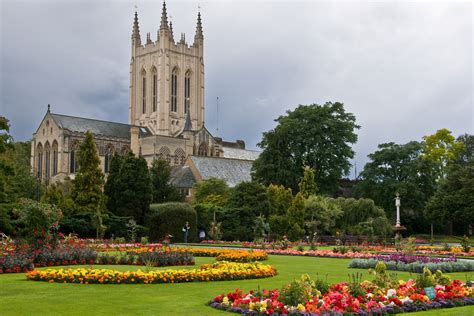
416 267
169 218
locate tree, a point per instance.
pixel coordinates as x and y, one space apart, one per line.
295 217
317 136
162 190
321 214
453 202
280 199
247 200
212 189
399 168
128 187
442 149
89 199
307 185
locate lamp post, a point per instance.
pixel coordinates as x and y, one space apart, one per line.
398 227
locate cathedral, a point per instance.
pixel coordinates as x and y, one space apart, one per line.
166 118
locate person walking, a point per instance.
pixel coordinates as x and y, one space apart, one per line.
186 229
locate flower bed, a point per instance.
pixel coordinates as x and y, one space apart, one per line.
416 266
404 258
154 259
321 253
307 297
208 272
234 255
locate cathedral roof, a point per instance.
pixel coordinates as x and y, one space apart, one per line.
182 177
242 154
232 171
96 127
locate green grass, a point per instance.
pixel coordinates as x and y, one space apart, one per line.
21 297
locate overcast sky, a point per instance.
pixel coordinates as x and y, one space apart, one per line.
403 68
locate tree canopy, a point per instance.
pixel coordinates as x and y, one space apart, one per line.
399 168
317 136
162 190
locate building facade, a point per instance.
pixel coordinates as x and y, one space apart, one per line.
166 111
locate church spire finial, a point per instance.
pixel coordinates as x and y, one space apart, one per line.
136 31
171 31
164 17
199 34
49 108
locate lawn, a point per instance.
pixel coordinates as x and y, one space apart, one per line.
21 297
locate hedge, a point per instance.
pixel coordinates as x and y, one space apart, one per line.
169 218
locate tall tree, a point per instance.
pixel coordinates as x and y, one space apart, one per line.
247 200
399 168
162 190
307 184
211 190
87 191
130 188
453 202
317 136
441 148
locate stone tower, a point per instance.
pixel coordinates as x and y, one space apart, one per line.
166 79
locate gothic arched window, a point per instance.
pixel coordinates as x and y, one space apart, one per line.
73 158
143 91
155 89
202 151
108 158
39 161
179 156
187 91
47 150
55 158
174 90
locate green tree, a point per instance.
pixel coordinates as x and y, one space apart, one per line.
399 168
307 185
280 199
295 217
441 148
162 190
247 200
317 136
129 187
6 170
321 214
212 189
87 194
453 202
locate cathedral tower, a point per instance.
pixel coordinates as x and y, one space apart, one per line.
166 79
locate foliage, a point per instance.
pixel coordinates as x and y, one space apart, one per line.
299 291
465 244
40 222
317 136
442 149
415 266
321 214
260 228
399 168
169 218
280 199
162 190
128 187
87 191
454 200
211 190
247 200
307 185
357 214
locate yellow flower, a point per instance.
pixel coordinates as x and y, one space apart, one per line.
300 307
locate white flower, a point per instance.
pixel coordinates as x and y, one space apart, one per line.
391 293
406 300
369 295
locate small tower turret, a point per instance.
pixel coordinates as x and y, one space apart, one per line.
199 37
136 40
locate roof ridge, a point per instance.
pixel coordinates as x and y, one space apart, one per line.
90 119
223 158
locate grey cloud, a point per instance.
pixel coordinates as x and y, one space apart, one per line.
403 68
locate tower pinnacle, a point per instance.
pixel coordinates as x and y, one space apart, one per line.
136 31
164 17
199 34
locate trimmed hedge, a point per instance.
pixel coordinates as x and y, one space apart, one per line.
169 218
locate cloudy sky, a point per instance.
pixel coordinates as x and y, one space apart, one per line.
403 68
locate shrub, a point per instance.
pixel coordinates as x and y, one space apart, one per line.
169 218
416 267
